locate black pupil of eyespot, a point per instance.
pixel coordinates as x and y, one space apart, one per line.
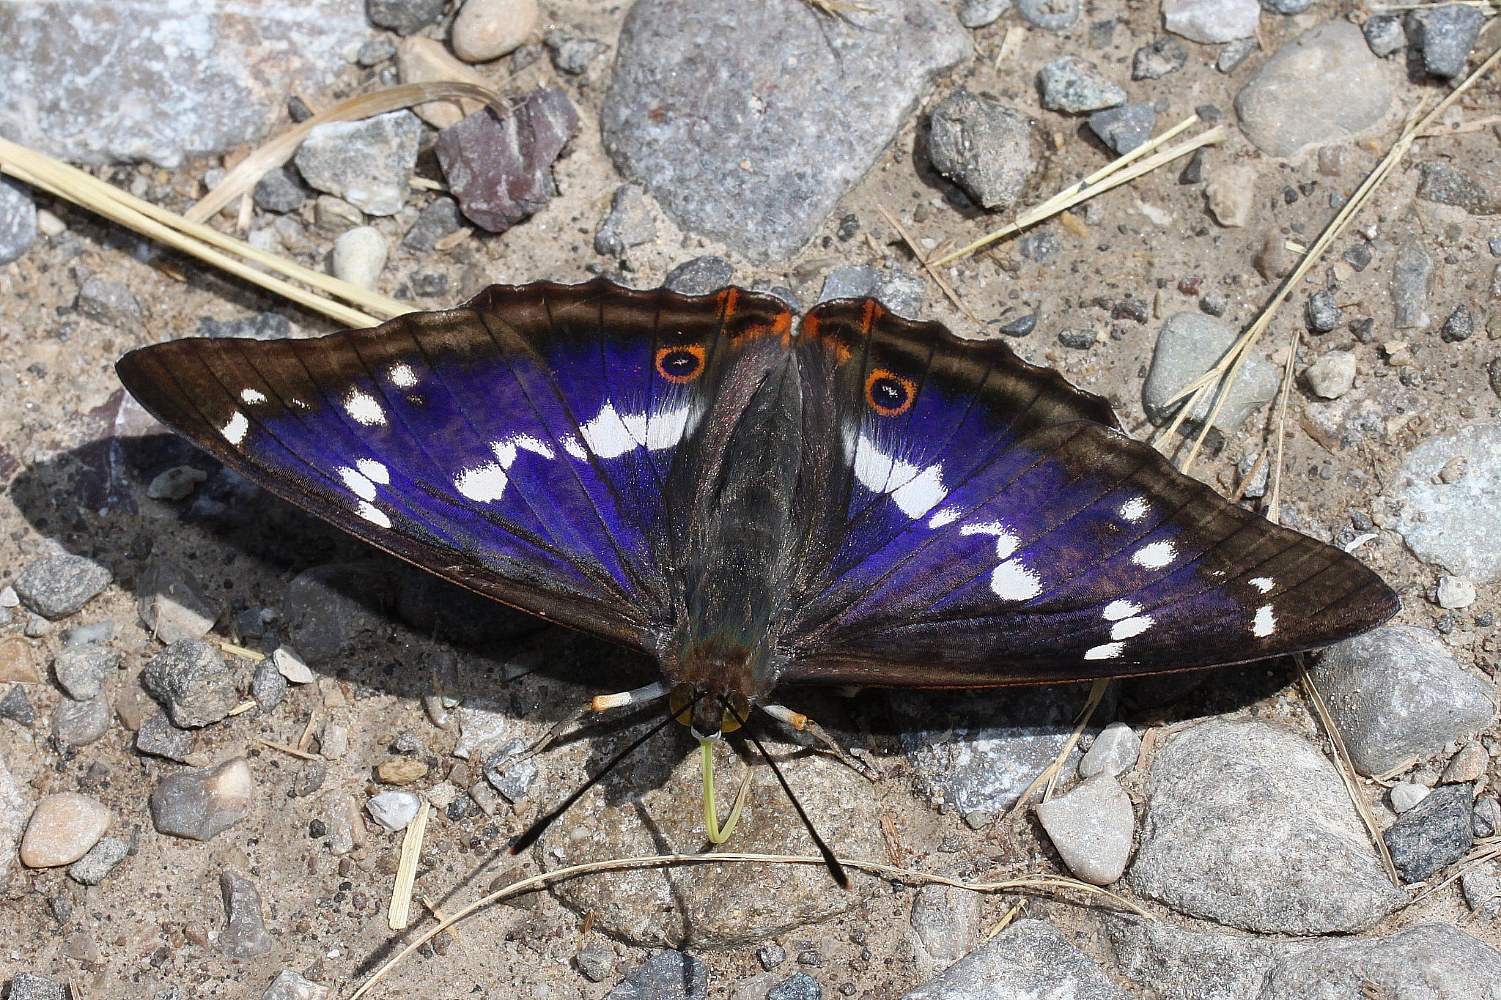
888 393
679 363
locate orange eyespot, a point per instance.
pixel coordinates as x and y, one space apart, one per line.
681 365
888 393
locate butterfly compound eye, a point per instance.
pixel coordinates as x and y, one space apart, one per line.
889 394
680 364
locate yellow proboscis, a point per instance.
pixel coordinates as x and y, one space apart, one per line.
711 808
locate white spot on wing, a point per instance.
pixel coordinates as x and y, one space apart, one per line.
374 471
402 376
506 451
1012 581
1116 610
921 493
364 409
373 514
1265 623
1263 584
252 396
874 468
1156 555
234 431
1005 541
611 434
946 516
482 483
357 483
1135 509
1108 651
666 428
571 445
607 435
1129 627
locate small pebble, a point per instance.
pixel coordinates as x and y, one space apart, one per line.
30 986
1482 892
280 191
1211 21
368 163
1384 34
267 686
18 220
244 934
200 802
1445 34
1455 592
1447 184
597 963
289 985
192 682
1234 53
1113 752
1322 312
570 54
1092 827
291 665
62 829
59 585
359 256
79 723
375 51
400 771
1406 794
1231 193
176 483
1412 272
983 146
798 986
335 215
1332 375
699 276
47 224
982 13
1079 340
488 29
1460 326
1021 326
172 604
426 60
1073 86
16 707
771 955
95 866
17 662
405 17
1124 128
82 670
1049 15
1467 766
1433 834
394 809
630 222
157 736
1153 62
109 302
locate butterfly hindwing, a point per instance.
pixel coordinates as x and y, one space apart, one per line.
987 523
521 445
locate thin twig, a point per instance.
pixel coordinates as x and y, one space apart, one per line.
932 270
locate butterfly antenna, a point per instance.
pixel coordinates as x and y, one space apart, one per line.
529 836
831 862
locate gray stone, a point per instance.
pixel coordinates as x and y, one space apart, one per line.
699 276
289 985
630 222
405 17
1155 61
983 146
394 809
512 781
82 670
55 586
1049 15
438 218
982 768
1406 794
898 291
192 682
1286 7
771 955
79 723
499 166
198 803
329 608
1188 346
1077 339
17 220
16 707
1322 311
1433 834
1451 524
96 81
665 975
280 191
1074 86
359 256
798 986
1444 35
1397 693
95 866
158 737
1384 34
172 605
1211 21
982 13
367 163
15 807
946 921
1113 752
375 51
1449 185
244 934
1459 326
1249 825
1412 274
1029 960
261 326
1124 128
1482 892
31 986
1332 375
571 54
333 216
1319 88
755 152
597 963
1234 53
268 686
1091 827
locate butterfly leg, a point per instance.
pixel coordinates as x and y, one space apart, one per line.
802 724
600 703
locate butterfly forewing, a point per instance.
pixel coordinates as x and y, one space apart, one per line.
989 525
519 445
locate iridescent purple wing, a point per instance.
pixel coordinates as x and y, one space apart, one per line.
523 445
979 521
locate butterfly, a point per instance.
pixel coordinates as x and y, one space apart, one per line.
858 499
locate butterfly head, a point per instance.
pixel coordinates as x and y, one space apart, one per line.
711 715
